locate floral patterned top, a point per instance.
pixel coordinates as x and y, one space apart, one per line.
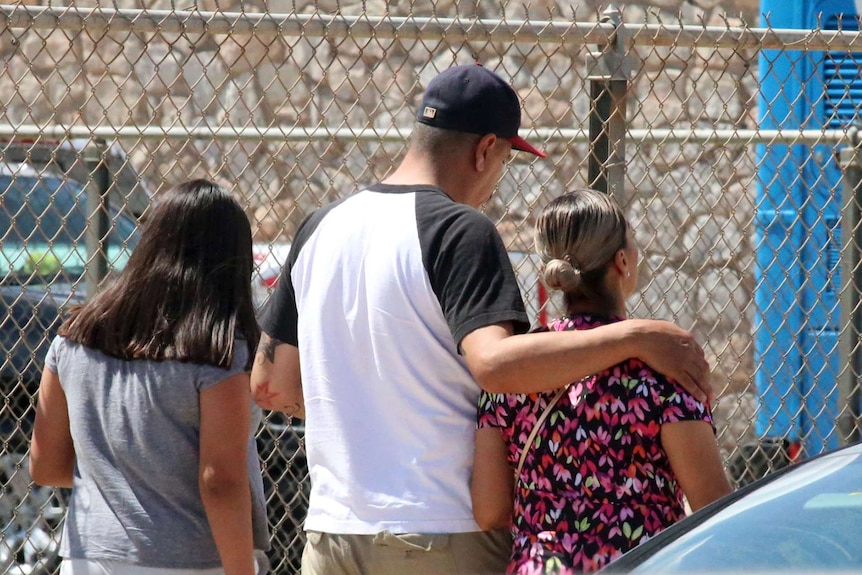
596 481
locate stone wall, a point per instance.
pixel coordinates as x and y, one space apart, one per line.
692 204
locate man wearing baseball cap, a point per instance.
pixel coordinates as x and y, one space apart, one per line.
395 306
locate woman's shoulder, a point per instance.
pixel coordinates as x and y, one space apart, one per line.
512 400
578 321
63 346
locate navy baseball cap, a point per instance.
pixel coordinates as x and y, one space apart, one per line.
475 100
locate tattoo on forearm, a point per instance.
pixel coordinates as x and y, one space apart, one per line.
266 349
269 399
262 394
291 410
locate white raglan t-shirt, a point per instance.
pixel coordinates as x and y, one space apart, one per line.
377 293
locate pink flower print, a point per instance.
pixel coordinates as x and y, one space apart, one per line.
580 507
575 392
543 483
692 404
570 539
606 459
671 414
605 555
592 412
552 516
589 466
608 483
605 512
648 429
624 489
562 473
637 485
626 513
597 458
527 568
626 439
600 436
616 405
640 405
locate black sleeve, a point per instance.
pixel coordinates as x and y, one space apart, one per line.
279 317
469 269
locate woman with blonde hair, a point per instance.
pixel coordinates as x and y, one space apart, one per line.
144 405
602 464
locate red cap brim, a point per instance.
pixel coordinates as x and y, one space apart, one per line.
523 145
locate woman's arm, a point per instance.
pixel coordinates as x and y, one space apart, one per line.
695 460
223 478
492 483
52 453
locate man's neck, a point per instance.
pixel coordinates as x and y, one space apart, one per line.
415 170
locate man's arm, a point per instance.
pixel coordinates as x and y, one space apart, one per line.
505 363
276 382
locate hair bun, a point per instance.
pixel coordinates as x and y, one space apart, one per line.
561 275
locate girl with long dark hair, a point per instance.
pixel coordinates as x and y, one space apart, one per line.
144 406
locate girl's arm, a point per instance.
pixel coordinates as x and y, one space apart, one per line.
694 457
492 483
223 477
52 453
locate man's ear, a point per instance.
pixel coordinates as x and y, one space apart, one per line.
483 150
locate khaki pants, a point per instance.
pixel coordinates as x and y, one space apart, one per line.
478 553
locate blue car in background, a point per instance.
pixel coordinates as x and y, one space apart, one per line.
45 218
43 257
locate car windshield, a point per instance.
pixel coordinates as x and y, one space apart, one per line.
806 520
45 220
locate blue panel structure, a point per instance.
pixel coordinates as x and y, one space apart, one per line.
797 235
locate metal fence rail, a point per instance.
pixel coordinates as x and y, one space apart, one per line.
733 148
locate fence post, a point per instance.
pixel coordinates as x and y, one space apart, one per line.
608 71
850 338
98 219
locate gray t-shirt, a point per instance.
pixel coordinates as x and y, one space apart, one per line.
135 426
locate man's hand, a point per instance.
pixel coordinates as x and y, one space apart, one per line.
672 351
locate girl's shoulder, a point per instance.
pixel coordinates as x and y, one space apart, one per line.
582 321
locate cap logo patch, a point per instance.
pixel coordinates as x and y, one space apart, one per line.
429 112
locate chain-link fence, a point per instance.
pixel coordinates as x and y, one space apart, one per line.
734 150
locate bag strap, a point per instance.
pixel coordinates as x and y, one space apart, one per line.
535 430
